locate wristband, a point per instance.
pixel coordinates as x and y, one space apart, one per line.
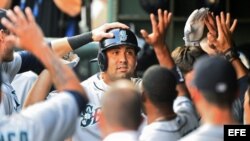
80 40
178 75
231 54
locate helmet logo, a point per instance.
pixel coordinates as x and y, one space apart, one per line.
123 35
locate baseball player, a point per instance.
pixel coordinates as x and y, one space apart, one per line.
215 87
170 115
13 63
117 60
54 119
117 122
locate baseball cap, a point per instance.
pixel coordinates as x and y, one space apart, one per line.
215 75
2 15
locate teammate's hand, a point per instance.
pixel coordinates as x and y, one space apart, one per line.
157 37
194 27
20 25
223 41
101 32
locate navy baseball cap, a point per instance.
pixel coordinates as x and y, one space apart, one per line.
2 15
121 37
215 75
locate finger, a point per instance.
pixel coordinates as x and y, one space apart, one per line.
20 15
11 15
107 35
211 20
115 25
160 18
29 14
219 26
165 17
144 34
9 25
222 18
232 28
210 27
168 16
153 23
228 19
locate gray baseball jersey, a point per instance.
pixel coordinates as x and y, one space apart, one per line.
53 120
174 129
10 100
87 128
206 132
22 83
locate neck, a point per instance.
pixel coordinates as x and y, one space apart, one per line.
105 78
218 116
157 114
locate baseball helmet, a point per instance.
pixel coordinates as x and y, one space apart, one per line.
121 37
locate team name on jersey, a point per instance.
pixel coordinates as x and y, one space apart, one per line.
14 136
90 116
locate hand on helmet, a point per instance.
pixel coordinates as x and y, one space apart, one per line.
101 32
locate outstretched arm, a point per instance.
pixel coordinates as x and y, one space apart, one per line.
39 90
157 40
220 38
31 38
67 44
158 36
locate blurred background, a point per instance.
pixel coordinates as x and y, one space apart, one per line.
71 17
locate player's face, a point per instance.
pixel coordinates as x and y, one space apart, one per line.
121 62
6 48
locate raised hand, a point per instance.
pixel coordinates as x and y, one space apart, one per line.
159 29
211 25
101 32
223 41
20 24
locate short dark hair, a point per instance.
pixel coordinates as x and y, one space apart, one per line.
185 57
159 83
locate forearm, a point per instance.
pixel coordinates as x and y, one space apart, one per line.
239 68
163 56
70 7
165 59
64 45
63 77
39 90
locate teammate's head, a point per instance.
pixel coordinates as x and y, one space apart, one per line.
6 50
185 57
159 85
216 80
117 55
121 107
